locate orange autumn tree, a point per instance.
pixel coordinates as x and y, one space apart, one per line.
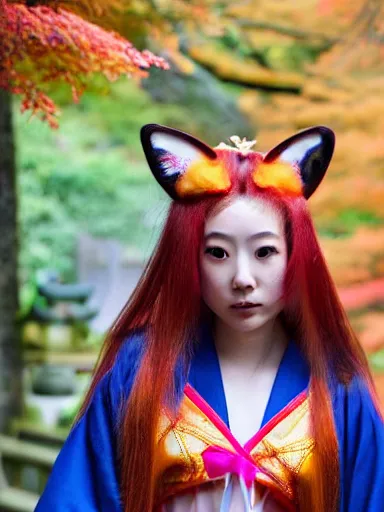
40 45
362 44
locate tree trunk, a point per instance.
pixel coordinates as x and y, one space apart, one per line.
10 345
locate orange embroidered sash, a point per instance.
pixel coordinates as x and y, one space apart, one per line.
280 452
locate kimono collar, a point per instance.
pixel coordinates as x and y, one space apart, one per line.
205 376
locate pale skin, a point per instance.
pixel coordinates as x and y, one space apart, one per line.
243 259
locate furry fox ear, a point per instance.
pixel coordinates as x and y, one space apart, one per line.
309 152
170 154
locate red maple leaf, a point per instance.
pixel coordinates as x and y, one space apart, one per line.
42 45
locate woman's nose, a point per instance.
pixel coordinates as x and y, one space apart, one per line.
243 277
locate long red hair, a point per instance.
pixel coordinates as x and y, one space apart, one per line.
167 302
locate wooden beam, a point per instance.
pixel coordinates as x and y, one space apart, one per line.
27 453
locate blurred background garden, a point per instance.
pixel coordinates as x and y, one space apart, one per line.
79 210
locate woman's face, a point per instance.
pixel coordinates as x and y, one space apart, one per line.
242 264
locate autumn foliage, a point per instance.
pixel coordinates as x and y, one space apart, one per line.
341 87
361 46
41 45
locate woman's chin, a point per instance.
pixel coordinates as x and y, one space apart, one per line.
246 324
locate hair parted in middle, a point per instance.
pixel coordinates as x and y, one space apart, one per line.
167 300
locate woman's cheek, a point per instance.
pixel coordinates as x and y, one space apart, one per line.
212 288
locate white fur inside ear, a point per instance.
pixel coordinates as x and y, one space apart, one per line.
297 151
174 145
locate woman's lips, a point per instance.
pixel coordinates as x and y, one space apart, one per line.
245 305
245 310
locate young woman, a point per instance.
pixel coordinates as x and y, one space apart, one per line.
232 380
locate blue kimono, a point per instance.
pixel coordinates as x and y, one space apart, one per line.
85 477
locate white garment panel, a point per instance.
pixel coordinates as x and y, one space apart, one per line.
208 497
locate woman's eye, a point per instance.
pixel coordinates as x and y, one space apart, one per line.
216 252
264 252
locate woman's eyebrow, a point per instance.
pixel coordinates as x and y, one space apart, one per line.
225 236
263 234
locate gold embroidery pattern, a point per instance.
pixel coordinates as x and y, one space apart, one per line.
280 454
180 444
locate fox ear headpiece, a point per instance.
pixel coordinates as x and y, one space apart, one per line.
185 167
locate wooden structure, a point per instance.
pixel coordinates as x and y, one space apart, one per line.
14 455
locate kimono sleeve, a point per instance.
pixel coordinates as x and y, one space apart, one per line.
85 477
360 431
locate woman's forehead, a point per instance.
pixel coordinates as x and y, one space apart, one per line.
245 215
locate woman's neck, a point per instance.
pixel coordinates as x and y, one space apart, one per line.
249 351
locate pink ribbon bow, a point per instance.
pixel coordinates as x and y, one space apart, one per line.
218 462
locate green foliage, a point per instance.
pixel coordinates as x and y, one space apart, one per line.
120 114
292 57
89 176
33 414
346 222
234 40
68 415
280 57
377 361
